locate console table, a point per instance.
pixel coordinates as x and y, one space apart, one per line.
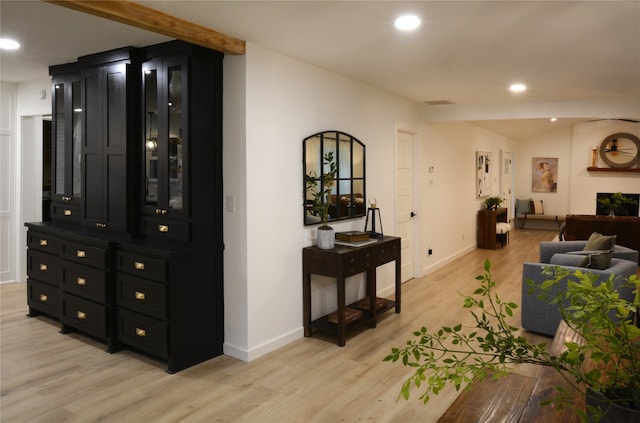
340 263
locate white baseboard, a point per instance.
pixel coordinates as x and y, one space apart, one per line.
264 349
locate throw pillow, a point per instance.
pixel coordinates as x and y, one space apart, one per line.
536 207
600 261
522 206
599 242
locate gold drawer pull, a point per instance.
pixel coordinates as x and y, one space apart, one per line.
81 314
140 295
82 281
43 267
67 212
81 253
43 242
101 225
141 332
138 265
161 211
163 228
44 298
66 198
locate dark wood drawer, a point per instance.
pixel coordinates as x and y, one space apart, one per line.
86 282
141 295
357 262
141 332
43 297
165 228
85 315
388 252
65 213
85 254
44 242
43 267
143 266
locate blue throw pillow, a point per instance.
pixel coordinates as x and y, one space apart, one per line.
523 206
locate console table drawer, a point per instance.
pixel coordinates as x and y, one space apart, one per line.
357 262
85 315
43 297
83 281
144 333
85 254
388 253
141 295
43 267
143 266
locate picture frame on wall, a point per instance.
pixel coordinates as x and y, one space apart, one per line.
483 174
544 175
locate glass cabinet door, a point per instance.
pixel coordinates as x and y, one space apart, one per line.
67 121
163 83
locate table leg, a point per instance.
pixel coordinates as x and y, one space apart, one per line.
341 306
398 285
371 291
306 303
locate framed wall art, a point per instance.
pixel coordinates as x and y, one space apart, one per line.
544 175
483 174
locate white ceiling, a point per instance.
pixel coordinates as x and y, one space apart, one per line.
465 52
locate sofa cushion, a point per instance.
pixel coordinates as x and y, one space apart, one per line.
599 242
522 206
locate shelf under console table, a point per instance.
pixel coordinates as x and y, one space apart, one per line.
340 263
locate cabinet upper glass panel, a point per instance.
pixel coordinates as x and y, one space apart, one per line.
164 134
175 137
151 136
345 197
68 139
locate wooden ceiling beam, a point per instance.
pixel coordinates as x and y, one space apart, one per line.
134 14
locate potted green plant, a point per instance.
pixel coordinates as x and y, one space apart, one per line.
460 356
616 203
319 190
493 203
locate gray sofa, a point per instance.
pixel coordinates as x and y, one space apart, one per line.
541 317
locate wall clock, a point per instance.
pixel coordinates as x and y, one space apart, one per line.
620 150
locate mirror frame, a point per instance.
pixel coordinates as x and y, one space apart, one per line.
351 205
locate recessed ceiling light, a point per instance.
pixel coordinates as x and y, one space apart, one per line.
553 119
407 22
8 44
518 88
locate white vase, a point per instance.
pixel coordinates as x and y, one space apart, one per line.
326 238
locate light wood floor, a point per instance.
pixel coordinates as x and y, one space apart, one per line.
49 377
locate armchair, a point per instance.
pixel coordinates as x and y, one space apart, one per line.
541 317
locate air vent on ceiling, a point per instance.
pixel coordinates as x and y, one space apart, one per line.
437 102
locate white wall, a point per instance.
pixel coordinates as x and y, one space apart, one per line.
8 216
577 187
449 204
286 101
585 185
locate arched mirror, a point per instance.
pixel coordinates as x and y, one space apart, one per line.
346 196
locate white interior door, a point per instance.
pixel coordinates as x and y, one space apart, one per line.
404 201
506 181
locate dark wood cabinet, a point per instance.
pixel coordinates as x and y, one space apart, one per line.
486 227
133 263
